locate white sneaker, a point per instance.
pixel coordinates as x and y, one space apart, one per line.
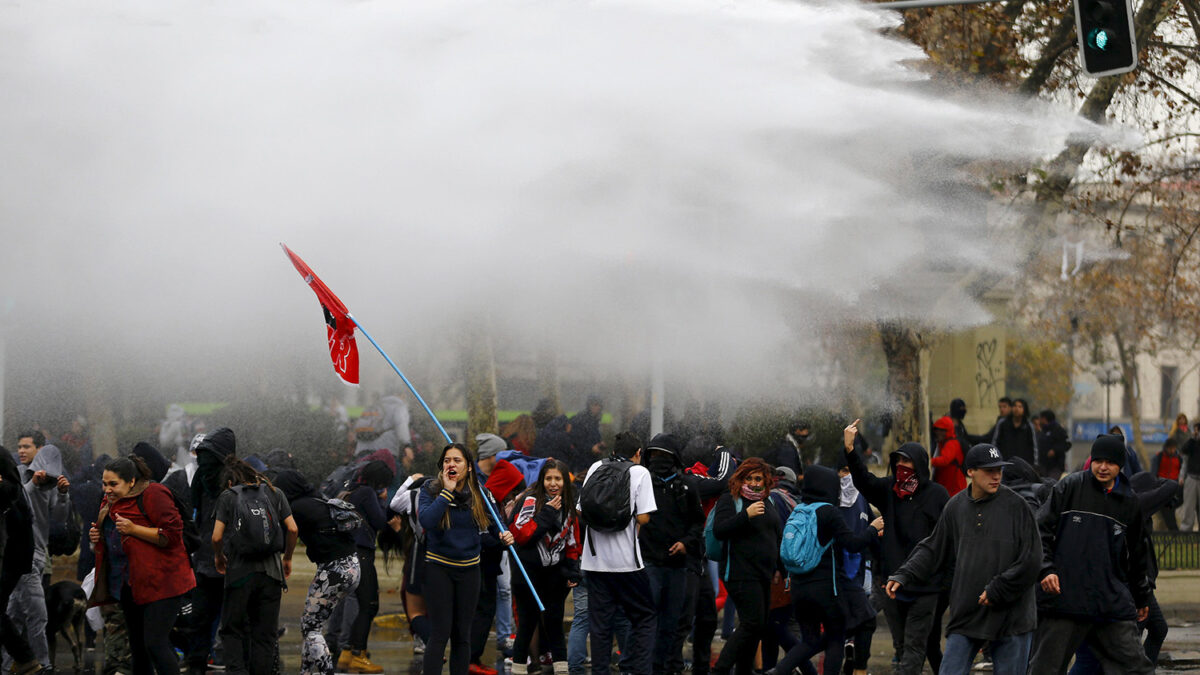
418 645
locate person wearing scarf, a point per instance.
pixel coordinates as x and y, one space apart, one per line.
209 596
750 532
910 503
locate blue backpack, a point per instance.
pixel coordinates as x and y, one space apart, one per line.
801 551
713 547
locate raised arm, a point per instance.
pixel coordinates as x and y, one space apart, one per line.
871 486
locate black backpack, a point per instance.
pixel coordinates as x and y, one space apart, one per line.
255 532
191 531
604 500
64 535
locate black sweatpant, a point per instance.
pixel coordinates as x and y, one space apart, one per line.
917 622
816 607
552 588
250 617
630 592
753 599
485 614
149 628
367 595
207 599
451 594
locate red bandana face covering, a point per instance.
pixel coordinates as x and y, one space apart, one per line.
906 481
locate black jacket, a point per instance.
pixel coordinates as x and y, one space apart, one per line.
1053 438
992 544
906 521
1014 441
1153 495
786 454
1093 540
751 550
1191 450
679 517
16 535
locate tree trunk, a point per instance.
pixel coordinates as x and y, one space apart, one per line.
547 377
98 408
479 369
903 348
1132 396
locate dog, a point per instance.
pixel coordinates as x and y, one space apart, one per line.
66 604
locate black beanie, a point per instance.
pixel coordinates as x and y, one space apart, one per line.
1110 448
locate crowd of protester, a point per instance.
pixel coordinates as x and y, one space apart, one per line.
988 540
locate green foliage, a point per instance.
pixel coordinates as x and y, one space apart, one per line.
1040 372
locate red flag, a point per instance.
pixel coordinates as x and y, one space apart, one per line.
340 328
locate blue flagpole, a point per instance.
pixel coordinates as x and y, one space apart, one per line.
487 502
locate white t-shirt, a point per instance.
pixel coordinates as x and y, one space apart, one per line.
619 551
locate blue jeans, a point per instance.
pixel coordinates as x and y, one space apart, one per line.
1010 655
577 640
504 608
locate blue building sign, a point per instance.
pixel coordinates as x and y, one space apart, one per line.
1087 431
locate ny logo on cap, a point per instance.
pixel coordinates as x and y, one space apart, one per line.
994 453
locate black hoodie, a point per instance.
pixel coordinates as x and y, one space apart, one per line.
16 535
906 521
206 488
680 516
154 459
822 486
322 542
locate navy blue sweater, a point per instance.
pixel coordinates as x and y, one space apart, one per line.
458 545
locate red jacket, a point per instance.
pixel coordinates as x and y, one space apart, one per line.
947 467
154 573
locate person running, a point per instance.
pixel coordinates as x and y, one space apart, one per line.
338 567
910 504
988 535
825 597
253 538
751 530
141 562
1094 576
455 519
367 497
548 545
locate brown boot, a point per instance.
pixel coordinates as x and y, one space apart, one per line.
343 661
361 663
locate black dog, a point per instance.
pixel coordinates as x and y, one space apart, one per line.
66 604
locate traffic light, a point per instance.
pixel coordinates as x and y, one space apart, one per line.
1106 38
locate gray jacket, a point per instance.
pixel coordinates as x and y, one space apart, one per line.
45 502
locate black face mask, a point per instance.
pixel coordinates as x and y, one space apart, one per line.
662 465
801 439
209 470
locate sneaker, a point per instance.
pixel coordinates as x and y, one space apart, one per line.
343 661
982 667
27 668
480 669
848 662
360 662
418 645
546 659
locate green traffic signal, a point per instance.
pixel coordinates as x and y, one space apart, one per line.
1100 39
1106 36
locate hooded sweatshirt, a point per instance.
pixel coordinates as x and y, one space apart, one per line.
948 464
154 460
680 516
206 488
823 486
322 541
45 501
909 519
992 545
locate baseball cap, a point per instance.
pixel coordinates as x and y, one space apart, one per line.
984 456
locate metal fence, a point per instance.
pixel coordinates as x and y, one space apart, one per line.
1177 550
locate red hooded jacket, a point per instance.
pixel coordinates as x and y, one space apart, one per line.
947 466
154 573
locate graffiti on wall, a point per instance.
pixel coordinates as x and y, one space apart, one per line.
988 371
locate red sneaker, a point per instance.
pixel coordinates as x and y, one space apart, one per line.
480 669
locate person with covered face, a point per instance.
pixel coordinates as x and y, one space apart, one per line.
675 530
790 451
209 595
750 530
988 536
1094 579
824 600
910 504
